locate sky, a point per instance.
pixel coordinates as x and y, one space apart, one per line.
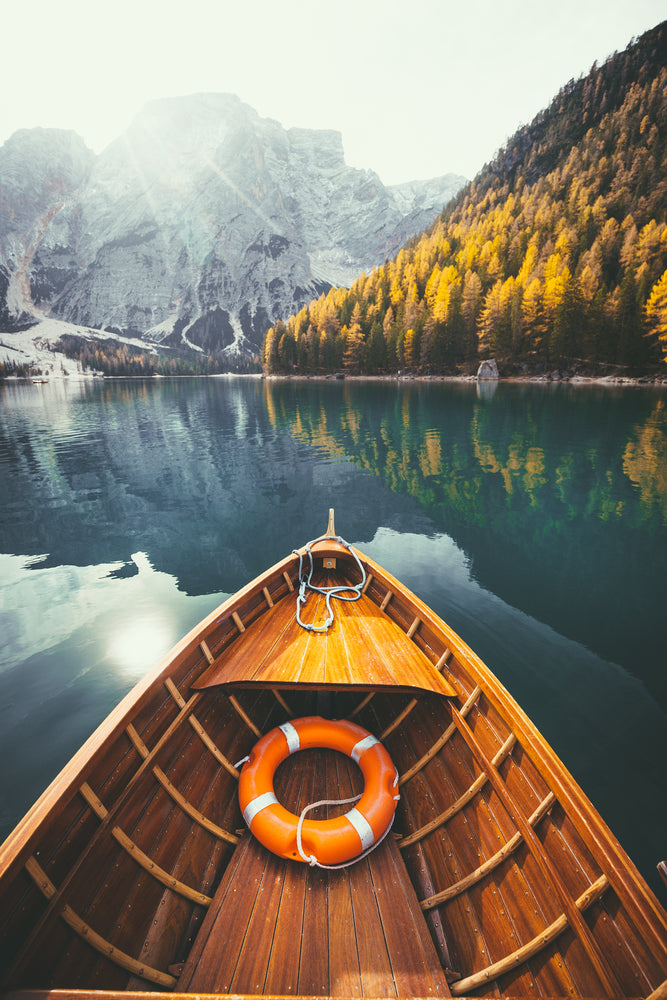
418 88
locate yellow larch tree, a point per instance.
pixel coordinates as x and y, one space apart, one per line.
353 355
656 312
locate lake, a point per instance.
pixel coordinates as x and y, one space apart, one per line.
532 518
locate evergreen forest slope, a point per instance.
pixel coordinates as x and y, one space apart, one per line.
554 256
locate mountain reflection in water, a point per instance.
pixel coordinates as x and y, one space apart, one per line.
532 518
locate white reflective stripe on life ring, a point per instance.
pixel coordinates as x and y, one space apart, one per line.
261 802
292 737
365 744
362 826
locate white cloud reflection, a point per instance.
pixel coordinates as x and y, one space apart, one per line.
130 620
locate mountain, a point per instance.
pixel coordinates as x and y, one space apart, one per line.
553 257
198 227
41 171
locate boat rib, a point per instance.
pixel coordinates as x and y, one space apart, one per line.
91 937
140 856
548 869
439 743
532 948
490 864
462 801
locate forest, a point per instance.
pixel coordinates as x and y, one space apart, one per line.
113 358
554 256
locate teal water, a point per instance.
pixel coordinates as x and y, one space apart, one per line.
532 518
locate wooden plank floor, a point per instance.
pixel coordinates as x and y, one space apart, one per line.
282 927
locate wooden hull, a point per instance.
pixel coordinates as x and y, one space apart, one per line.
133 873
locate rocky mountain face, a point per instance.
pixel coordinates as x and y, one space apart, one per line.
41 172
198 227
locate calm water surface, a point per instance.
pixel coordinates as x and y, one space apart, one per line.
532 518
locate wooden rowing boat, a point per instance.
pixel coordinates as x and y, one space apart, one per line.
134 873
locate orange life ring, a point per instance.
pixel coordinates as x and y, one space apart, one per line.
329 841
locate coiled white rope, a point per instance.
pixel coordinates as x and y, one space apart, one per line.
340 593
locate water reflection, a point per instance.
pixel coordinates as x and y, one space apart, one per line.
74 641
556 493
486 389
193 473
43 607
582 443
645 463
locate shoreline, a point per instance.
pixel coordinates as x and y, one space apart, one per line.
658 380
617 381
34 346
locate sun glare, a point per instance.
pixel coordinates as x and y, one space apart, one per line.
140 645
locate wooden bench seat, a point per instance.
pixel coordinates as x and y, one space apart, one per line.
282 927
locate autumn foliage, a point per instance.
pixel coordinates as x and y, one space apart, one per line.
555 254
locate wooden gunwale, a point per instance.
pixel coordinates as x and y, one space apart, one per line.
57 899
487 768
146 862
544 862
105 736
405 617
470 916
17 848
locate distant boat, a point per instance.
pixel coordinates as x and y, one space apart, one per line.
136 873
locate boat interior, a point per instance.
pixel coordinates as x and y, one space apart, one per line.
135 871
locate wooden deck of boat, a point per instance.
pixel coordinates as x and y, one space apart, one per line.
363 650
282 927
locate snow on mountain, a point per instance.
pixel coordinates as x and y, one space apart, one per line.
199 226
